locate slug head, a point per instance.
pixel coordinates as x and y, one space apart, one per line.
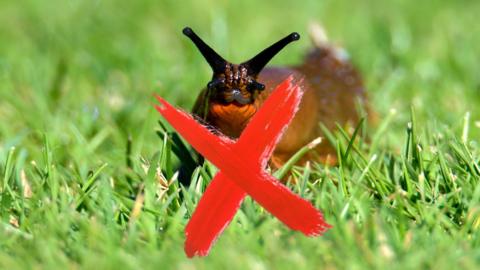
232 83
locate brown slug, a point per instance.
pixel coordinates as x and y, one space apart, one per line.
332 90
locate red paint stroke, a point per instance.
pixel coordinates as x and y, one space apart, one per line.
222 195
241 166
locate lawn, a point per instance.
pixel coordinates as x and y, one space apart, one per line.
87 174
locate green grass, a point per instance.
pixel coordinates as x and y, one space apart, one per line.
76 82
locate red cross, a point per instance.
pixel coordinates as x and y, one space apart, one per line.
241 166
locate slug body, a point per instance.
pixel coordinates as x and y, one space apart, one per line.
332 92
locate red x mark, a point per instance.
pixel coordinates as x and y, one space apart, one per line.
241 166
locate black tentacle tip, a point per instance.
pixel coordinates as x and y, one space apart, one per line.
294 36
254 85
259 86
187 31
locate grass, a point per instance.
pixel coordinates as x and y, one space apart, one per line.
86 171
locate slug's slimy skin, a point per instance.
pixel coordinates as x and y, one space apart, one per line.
332 92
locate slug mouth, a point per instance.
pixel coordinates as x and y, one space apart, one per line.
237 96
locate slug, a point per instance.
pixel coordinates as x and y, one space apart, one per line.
333 89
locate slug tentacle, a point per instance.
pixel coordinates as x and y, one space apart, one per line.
233 83
258 62
216 62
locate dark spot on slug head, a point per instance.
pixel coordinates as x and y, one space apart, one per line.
236 83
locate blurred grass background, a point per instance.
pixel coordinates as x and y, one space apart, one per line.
77 79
